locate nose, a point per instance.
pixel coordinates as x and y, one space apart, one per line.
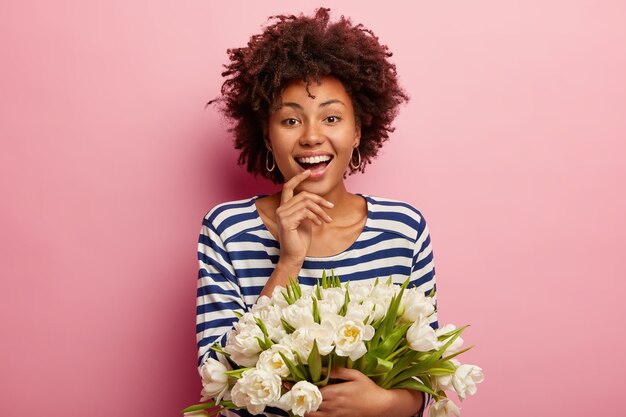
312 135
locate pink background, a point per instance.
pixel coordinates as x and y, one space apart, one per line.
512 146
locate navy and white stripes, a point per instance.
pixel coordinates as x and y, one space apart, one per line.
237 254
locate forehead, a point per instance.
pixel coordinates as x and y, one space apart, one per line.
328 88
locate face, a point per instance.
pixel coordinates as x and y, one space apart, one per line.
318 134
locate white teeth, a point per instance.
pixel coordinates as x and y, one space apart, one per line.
314 159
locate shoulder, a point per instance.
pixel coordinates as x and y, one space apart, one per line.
225 217
395 215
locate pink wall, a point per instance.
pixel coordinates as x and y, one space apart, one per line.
513 147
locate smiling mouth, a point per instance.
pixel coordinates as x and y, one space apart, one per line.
314 163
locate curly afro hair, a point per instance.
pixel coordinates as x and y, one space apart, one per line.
309 48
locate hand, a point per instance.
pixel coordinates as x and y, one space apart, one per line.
360 396
357 396
295 217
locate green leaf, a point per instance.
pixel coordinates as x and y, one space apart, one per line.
261 342
391 342
447 365
267 341
286 297
457 353
416 369
198 407
397 352
451 333
295 288
237 314
261 325
315 363
416 385
457 333
316 312
440 371
402 363
295 371
236 373
336 282
393 310
287 326
324 382
346 301
381 367
219 349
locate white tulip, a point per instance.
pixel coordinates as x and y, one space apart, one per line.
443 408
278 299
350 335
242 343
421 337
465 379
334 295
299 314
255 389
360 291
303 397
271 361
270 315
382 294
415 305
456 345
301 340
214 380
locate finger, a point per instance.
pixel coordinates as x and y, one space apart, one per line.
294 221
290 185
291 221
305 195
345 374
291 209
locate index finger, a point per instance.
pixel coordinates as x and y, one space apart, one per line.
287 193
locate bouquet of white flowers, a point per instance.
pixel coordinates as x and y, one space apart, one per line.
379 328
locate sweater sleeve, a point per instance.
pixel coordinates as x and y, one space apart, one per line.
218 295
423 277
423 269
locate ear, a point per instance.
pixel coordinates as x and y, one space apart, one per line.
357 135
266 136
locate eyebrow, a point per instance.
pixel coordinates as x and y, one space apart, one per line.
299 107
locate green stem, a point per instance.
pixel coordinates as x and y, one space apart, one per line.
397 352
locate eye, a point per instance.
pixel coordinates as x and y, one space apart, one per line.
290 121
333 119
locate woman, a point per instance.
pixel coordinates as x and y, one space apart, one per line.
311 101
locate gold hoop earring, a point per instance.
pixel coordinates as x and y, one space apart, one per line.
358 154
267 161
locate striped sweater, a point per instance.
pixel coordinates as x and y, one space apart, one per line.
237 254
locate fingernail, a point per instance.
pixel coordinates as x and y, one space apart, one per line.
329 204
308 171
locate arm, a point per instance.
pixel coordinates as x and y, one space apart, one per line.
218 295
295 217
